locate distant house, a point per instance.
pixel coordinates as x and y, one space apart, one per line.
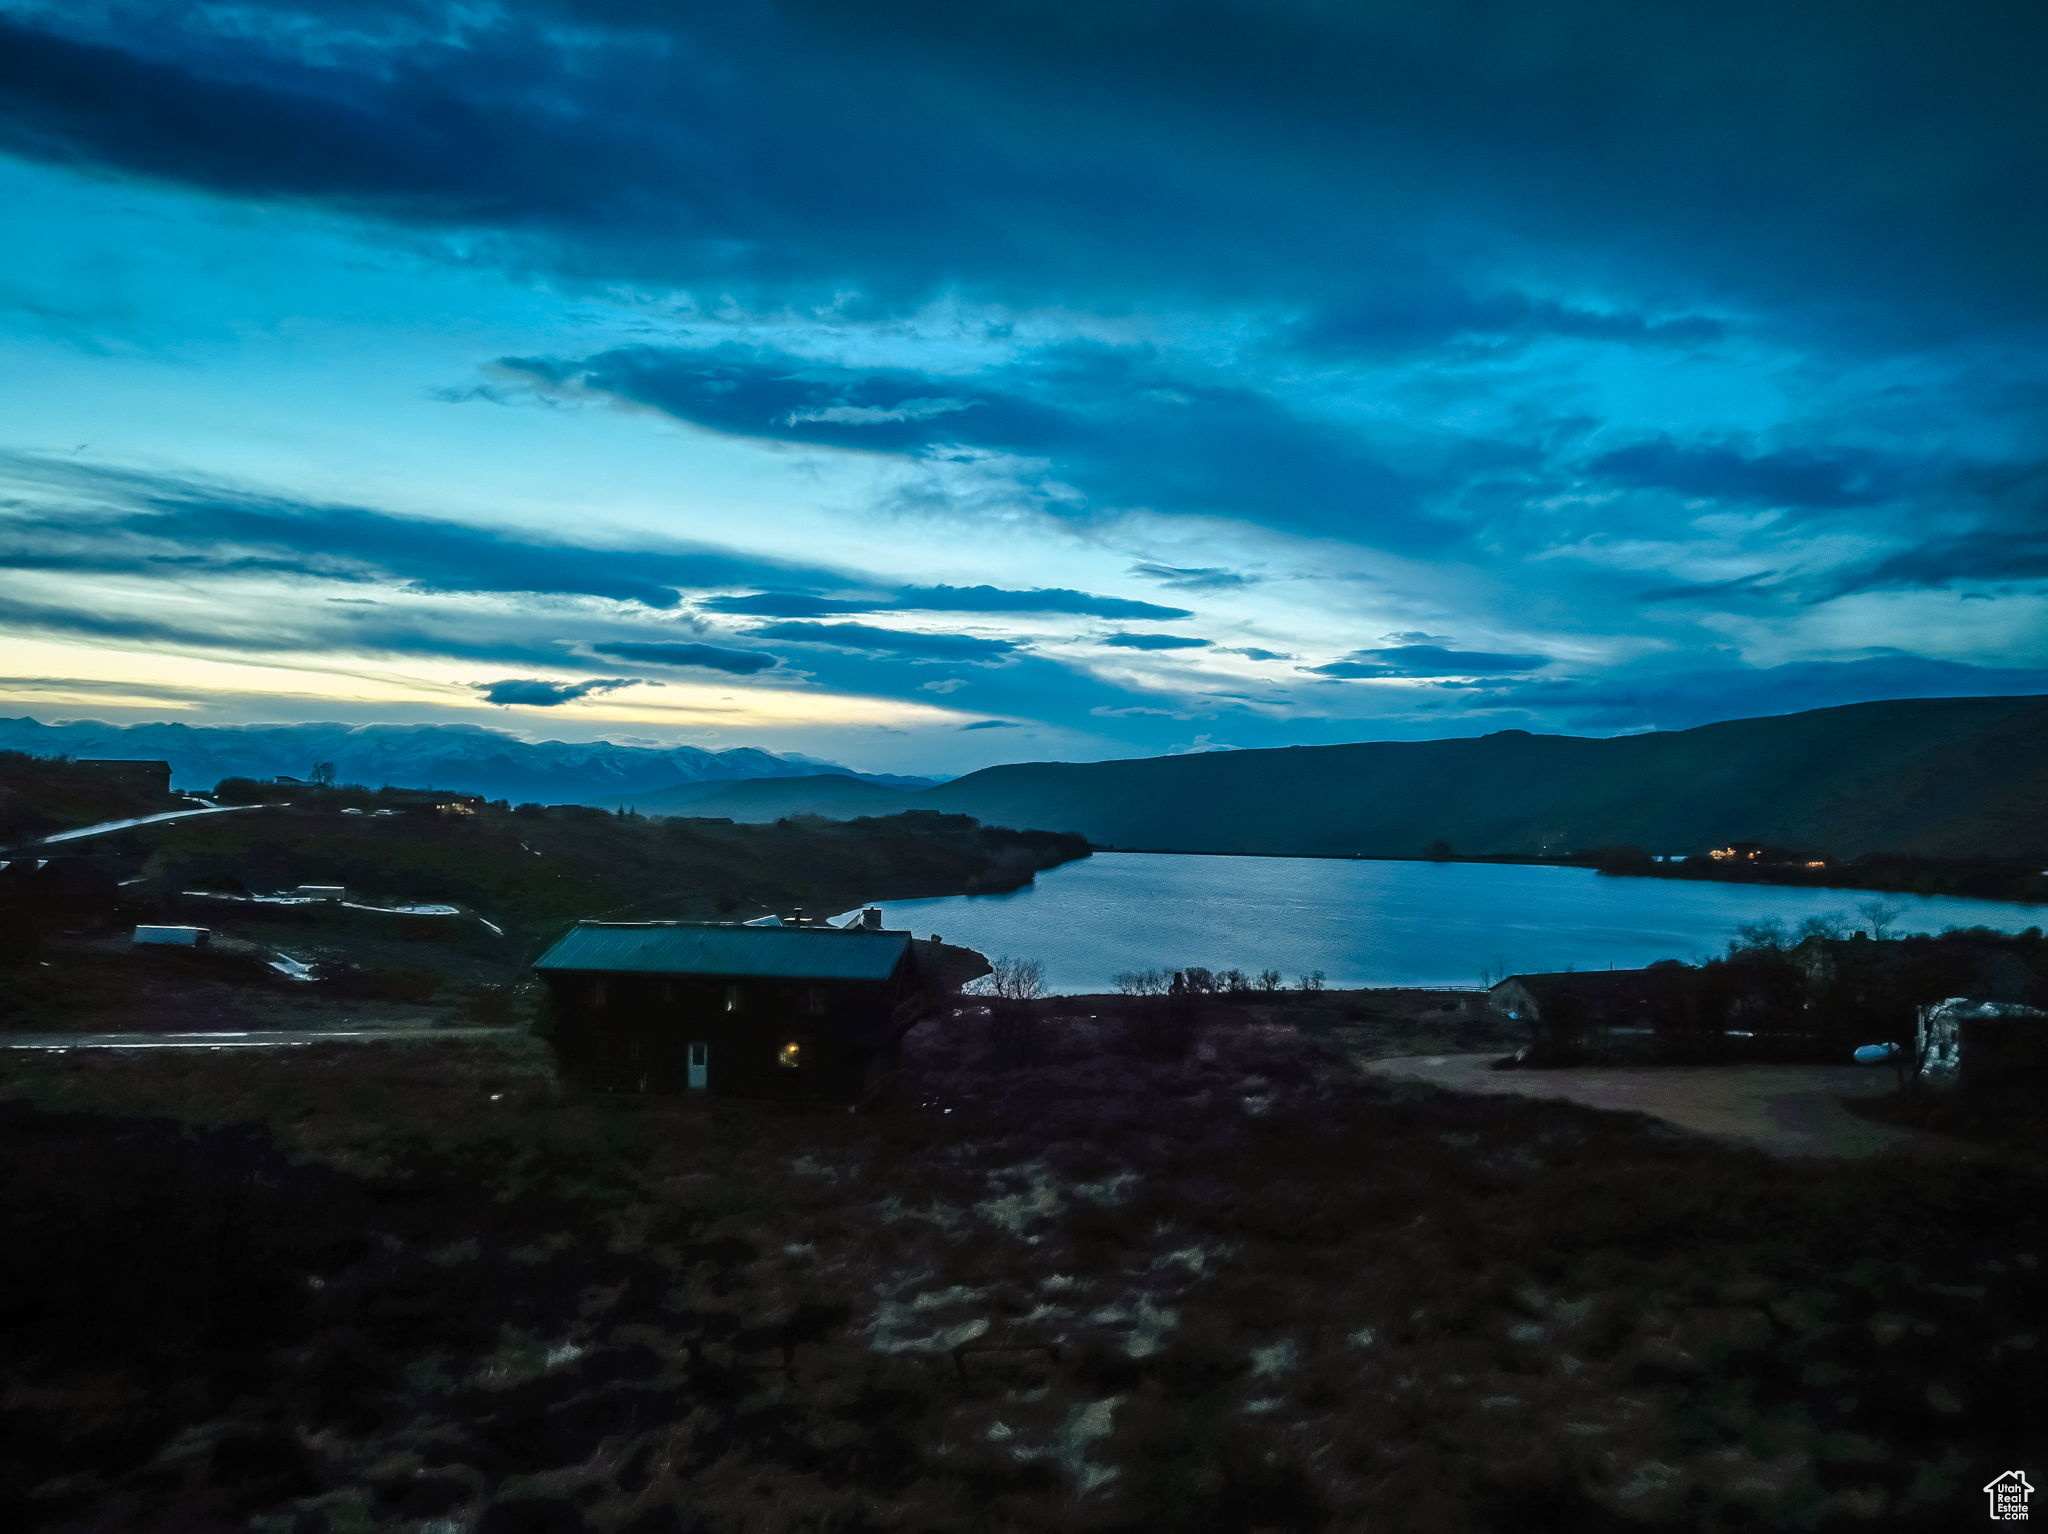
144 777
1668 1012
1591 1014
431 802
793 1011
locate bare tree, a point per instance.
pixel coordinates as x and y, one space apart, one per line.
1014 984
1312 981
1269 980
1834 924
1882 916
1014 979
1767 936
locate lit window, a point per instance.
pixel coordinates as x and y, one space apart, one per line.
790 1056
732 998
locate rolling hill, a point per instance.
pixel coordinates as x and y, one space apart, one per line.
1945 777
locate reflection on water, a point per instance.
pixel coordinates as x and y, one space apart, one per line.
1377 923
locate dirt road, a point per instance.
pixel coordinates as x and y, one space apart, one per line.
1792 1110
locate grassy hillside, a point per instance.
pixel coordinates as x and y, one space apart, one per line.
1948 777
537 869
42 794
764 799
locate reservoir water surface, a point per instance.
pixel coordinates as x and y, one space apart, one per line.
1381 923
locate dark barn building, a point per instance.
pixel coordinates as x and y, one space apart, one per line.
791 1011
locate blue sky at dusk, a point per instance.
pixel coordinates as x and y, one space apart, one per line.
928 386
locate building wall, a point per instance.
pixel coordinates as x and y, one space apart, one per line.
633 1032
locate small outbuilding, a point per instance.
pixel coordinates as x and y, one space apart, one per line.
1585 1014
789 1011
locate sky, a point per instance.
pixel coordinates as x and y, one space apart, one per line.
926 386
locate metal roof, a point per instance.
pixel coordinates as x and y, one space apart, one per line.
784 953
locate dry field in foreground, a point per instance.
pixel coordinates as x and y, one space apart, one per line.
1085 1277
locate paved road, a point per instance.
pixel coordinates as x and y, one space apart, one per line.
1793 1110
275 1040
144 820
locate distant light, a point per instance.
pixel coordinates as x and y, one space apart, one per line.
790 1055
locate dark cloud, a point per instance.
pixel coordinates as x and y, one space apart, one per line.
1252 652
148 524
1736 588
1717 471
705 656
1997 554
1157 642
1428 316
1666 696
1190 578
1050 599
881 641
1265 150
786 604
1426 660
529 692
1114 421
992 724
956 599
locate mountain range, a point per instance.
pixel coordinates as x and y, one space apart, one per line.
837 795
1952 777
467 758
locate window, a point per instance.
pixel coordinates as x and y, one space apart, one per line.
732 998
597 993
791 1055
814 1000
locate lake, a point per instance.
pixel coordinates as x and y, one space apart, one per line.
1381 923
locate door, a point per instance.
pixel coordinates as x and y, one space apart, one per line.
700 1066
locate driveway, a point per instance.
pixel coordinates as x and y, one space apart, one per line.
1792 1110
143 820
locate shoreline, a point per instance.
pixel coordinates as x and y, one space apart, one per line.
1533 860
